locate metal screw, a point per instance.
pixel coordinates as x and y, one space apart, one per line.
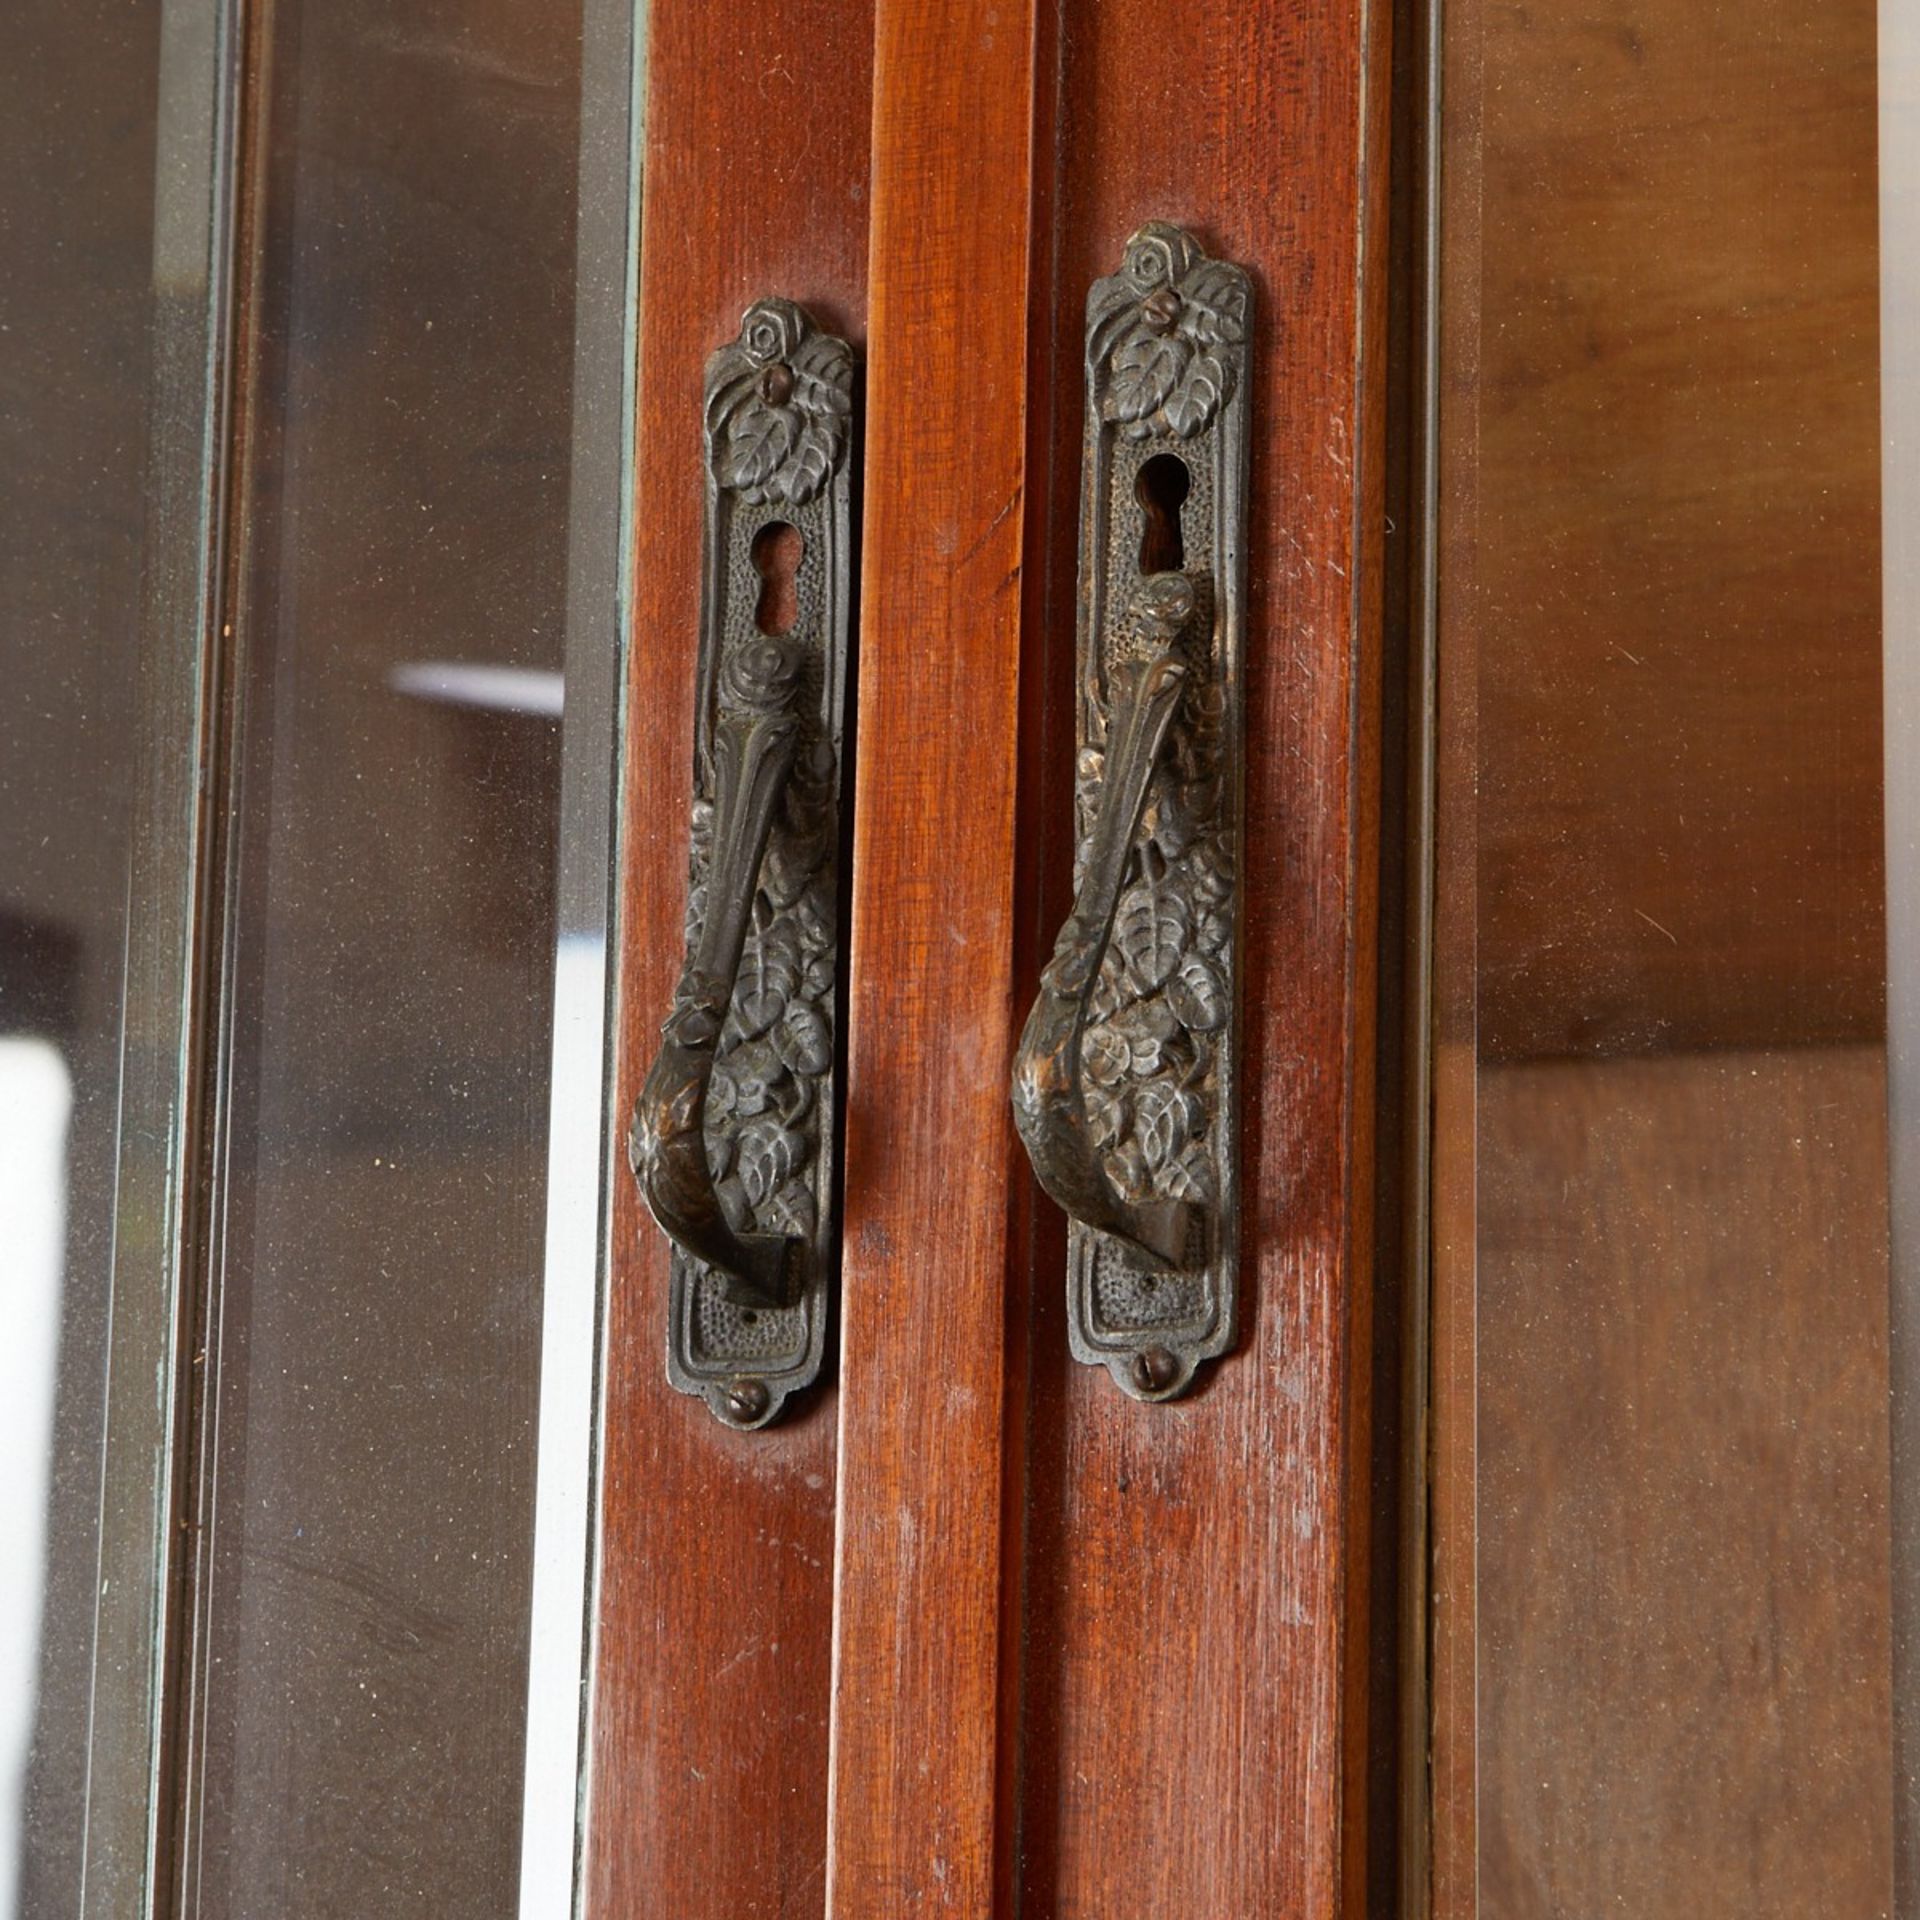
1160 309
776 384
747 1401
1154 1371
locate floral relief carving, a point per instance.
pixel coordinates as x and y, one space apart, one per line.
1166 328
731 1138
780 407
1163 999
1124 1076
776 1041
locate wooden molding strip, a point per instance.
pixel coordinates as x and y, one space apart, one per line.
918 1683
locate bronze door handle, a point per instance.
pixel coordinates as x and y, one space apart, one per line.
753 747
1123 1085
732 1138
1049 1102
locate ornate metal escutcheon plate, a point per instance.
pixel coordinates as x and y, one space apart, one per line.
1124 1087
732 1139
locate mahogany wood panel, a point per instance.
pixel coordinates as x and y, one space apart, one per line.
1196 1647
1660 831
710 1742
1684 1605
1679 537
1174 1580
1453 1434
921 1660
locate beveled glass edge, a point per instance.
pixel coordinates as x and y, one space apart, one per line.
582 1134
149 1287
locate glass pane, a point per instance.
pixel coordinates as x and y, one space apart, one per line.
110 222
1664 1298
409 1138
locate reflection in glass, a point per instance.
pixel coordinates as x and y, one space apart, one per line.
109 229
1663 1676
400 1333
381 1325
36 1101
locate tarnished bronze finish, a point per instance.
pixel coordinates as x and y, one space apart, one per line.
1050 1105
732 1135
753 752
1123 1087
747 1402
1154 1371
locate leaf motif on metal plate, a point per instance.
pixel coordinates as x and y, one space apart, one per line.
751 1071
1215 297
792 1210
769 973
816 982
1145 370
802 1041
723 1096
1165 1118
1198 995
1212 869
1151 930
1204 383
814 452
1192 1177
823 377
769 1154
1105 1056
759 438
1146 1027
1106 1118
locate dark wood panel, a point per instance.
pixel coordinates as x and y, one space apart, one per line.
1452 1677
1196 1651
1660 832
921 1659
1685 1701
710 1748
1679 537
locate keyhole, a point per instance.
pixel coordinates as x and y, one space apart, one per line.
776 552
1161 489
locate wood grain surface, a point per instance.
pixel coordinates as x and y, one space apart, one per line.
921 1657
1174 1582
1684 1607
1658 1550
1677 274
710 1741
1452 1676
1196 1645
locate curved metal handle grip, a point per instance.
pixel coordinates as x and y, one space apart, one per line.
754 741
1049 1101
734 1133
1124 1085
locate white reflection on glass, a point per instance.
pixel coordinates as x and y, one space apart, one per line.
36 1096
494 689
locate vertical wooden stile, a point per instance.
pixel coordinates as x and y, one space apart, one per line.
710 1719
924 1565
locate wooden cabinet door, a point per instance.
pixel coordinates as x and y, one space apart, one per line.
709 1740
970 1631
